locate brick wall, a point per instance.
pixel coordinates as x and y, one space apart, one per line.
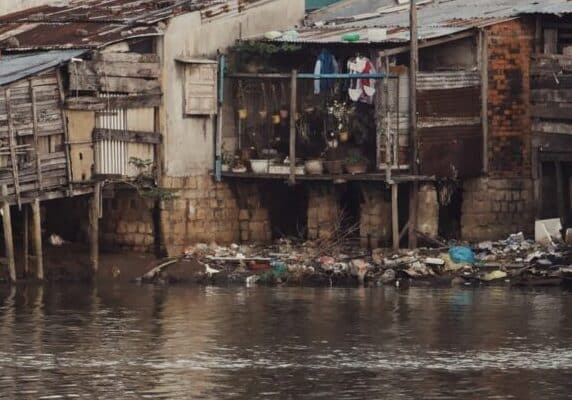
204 211
510 46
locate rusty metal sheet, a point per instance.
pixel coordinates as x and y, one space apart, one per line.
461 102
451 151
91 23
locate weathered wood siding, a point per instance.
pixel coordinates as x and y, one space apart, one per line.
551 95
32 152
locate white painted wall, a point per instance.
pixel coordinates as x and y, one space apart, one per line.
9 6
189 141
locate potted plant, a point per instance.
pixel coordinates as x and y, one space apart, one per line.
356 163
238 166
314 166
333 162
341 113
226 161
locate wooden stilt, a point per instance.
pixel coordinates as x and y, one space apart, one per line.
26 242
413 201
8 238
395 215
37 232
560 192
94 229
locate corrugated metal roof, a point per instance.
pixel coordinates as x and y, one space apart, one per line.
91 23
19 66
436 18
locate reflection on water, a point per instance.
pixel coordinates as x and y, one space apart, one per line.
221 343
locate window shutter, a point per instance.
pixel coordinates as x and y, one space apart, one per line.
201 89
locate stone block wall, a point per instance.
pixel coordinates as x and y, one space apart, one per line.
375 218
127 222
254 218
203 211
494 208
323 211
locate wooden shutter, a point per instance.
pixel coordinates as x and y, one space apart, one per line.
201 89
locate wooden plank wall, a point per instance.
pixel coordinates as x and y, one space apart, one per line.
32 153
551 95
116 73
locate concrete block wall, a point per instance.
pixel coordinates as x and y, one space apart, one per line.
375 218
204 211
127 222
323 211
494 208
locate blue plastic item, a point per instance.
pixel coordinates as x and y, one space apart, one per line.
462 254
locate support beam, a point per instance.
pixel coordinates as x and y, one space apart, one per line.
484 65
12 144
37 231
293 95
36 137
94 229
413 69
395 215
26 241
8 238
66 133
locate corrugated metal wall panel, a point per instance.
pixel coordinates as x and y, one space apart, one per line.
450 130
112 158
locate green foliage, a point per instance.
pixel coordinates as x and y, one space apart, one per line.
261 48
355 158
144 183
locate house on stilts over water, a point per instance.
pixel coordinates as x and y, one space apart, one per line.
466 138
152 125
104 104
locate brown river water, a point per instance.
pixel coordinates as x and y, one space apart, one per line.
121 341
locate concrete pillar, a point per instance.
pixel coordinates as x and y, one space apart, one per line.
428 210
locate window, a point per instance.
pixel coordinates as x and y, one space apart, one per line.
201 88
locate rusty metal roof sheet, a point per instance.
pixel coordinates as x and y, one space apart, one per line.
436 18
91 23
18 66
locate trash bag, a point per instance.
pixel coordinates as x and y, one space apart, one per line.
462 254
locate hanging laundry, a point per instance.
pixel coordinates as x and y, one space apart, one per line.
325 64
361 89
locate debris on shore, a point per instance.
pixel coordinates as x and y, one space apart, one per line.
514 261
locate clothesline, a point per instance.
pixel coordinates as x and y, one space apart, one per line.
311 76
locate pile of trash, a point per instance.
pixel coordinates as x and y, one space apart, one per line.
514 260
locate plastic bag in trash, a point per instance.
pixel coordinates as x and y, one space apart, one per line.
462 254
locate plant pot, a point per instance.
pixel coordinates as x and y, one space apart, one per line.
225 168
344 136
334 167
242 113
284 114
239 170
259 166
356 168
314 167
275 119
